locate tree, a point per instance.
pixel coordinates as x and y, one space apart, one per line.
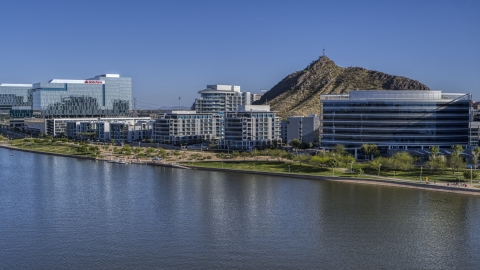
303 158
277 153
434 161
377 162
370 150
346 159
436 164
162 153
470 173
296 144
339 150
456 161
150 150
332 163
289 156
434 150
318 161
402 161
305 145
475 155
358 171
244 155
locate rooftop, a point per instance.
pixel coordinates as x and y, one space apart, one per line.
397 95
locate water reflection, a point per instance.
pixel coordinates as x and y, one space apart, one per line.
66 213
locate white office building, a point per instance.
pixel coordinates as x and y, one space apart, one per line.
104 129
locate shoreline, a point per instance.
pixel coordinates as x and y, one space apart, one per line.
361 181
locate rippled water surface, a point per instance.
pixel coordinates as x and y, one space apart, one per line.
59 212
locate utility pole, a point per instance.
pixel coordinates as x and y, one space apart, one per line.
135 107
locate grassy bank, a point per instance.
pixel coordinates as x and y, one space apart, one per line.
44 146
443 176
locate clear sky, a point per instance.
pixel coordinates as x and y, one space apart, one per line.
175 48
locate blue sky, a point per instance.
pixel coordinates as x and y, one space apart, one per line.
175 48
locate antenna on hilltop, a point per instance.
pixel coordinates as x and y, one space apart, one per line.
323 52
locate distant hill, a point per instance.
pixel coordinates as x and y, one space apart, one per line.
299 92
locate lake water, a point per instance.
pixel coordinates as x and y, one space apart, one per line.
64 213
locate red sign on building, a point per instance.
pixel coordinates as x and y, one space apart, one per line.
93 82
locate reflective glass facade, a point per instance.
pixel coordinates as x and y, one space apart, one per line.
102 96
12 95
395 119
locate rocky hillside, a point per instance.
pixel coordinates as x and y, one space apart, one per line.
299 92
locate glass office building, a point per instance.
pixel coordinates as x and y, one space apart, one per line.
102 96
395 119
15 95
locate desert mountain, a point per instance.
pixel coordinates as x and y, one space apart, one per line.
299 92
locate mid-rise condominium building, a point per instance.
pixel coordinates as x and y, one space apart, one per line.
221 98
251 126
184 127
394 119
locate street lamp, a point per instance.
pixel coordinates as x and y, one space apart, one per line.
379 165
333 168
471 175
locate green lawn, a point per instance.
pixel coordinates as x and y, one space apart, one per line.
274 166
296 168
50 147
